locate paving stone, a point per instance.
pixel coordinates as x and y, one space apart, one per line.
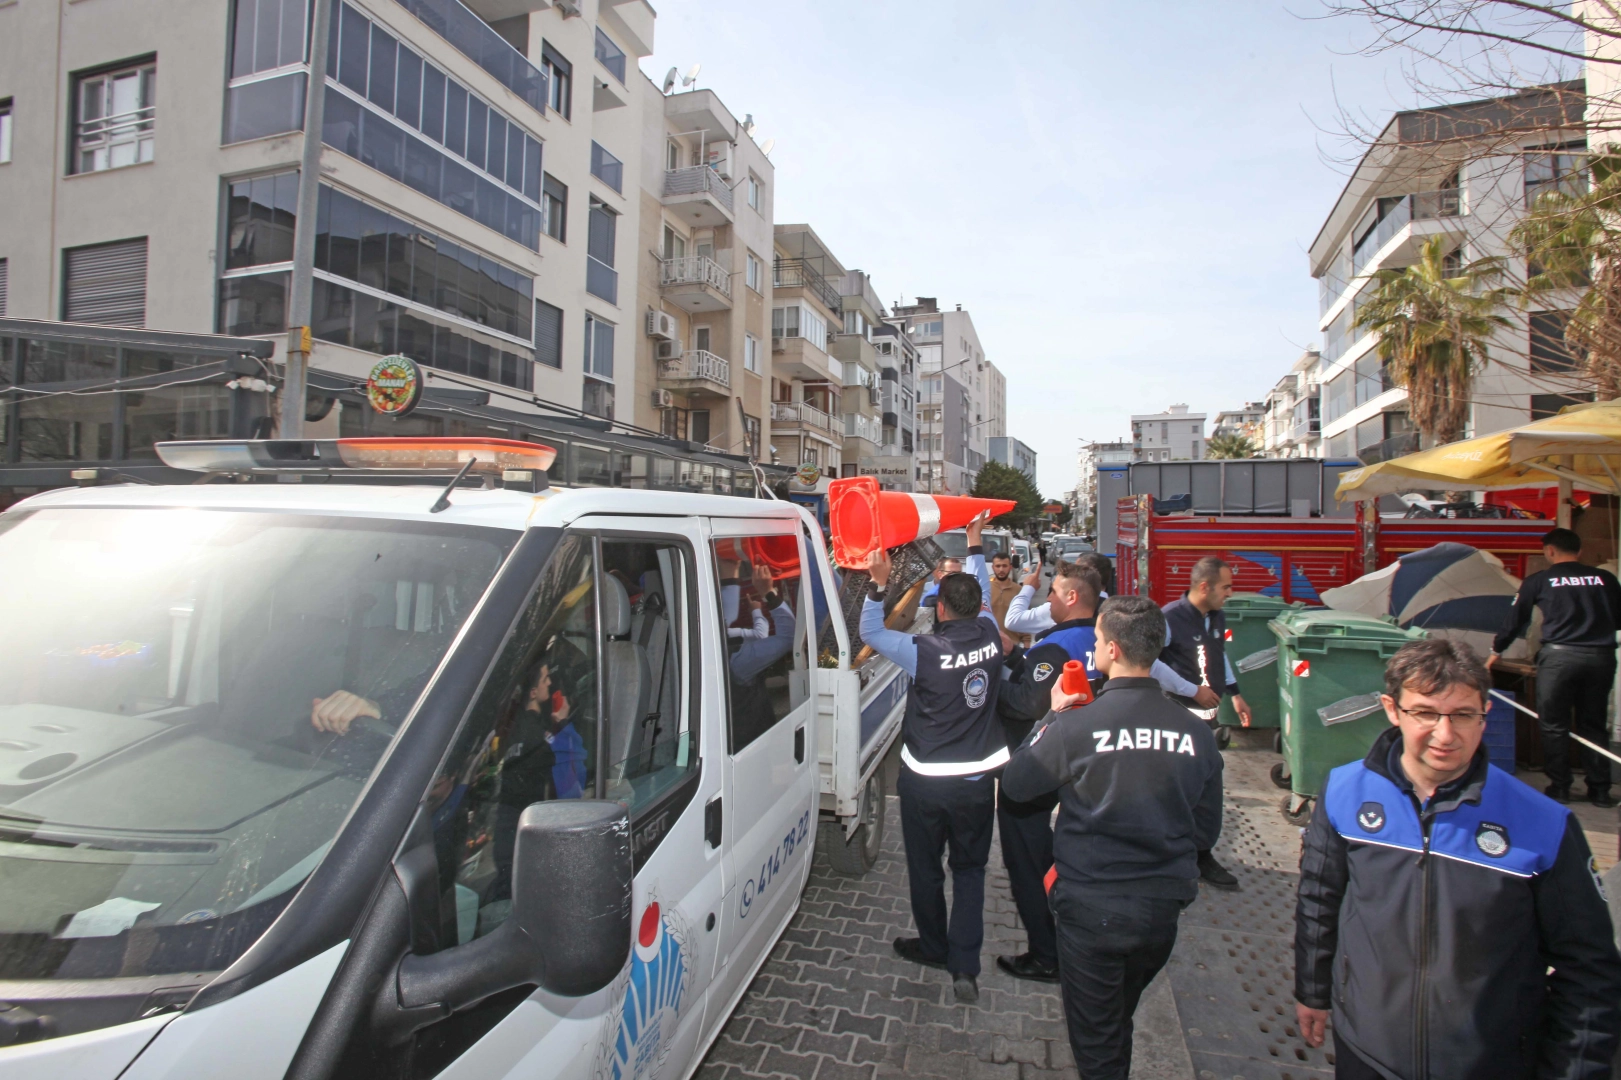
782 1063
846 1022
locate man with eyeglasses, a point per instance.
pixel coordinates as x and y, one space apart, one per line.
1450 916
1581 609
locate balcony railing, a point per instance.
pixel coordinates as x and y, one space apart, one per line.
797 412
601 279
698 364
798 274
857 426
1422 206
482 45
695 270
696 180
1393 447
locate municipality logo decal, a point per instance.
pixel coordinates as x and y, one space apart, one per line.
1044 671
1371 817
1492 839
975 687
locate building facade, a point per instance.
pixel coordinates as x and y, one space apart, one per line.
1014 454
1293 423
855 348
1246 422
1173 435
1092 456
962 396
504 197
807 386
1466 173
897 357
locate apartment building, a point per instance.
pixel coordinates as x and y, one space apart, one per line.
1245 422
1091 457
962 396
492 176
1466 172
703 331
862 399
1173 435
1293 423
807 384
897 358
1013 453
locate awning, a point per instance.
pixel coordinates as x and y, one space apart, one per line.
1581 445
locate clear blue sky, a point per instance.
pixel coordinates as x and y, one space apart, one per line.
1121 194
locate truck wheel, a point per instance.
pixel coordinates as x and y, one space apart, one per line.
1224 737
1280 775
855 856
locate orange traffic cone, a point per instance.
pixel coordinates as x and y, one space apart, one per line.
864 518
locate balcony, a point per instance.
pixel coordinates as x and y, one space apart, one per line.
1404 219
857 426
799 274
1394 447
696 282
474 38
793 357
697 371
699 195
797 414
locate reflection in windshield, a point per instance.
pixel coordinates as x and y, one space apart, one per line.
190 703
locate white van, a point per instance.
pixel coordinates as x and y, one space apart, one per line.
333 779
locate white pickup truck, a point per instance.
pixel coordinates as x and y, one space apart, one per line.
400 778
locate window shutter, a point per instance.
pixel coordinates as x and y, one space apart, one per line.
548 334
3 288
106 284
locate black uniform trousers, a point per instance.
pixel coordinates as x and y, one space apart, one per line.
1110 947
938 812
1573 690
1027 852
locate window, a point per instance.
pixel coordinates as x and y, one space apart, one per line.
698 425
599 347
259 219
607 168
751 435
560 75
5 131
1562 172
554 204
754 272
675 245
751 353
4 282
597 399
548 334
754 191
266 89
600 277
700 338
114 118
798 320
610 56
1546 405
1549 353
105 283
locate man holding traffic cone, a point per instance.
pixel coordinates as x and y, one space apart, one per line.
952 742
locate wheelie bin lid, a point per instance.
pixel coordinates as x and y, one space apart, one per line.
1322 626
1249 605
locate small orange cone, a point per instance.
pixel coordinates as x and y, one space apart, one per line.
1074 681
863 518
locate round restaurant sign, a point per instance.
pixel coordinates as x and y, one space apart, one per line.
808 474
394 386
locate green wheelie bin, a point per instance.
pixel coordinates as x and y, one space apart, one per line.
1331 671
1253 652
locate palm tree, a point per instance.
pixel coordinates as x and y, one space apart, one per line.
1230 444
1433 322
1572 240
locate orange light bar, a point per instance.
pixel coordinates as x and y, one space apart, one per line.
493 456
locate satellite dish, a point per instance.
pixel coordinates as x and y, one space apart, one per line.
766 147
669 80
692 75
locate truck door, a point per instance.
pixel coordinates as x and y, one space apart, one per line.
609 667
768 791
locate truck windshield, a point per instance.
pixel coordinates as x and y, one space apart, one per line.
190 703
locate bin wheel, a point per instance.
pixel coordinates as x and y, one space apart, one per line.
1280 775
1296 809
1224 737
854 856
1277 741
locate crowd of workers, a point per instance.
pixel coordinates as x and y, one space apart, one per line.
1451 917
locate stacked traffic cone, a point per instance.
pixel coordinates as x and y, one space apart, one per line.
780 553
863 518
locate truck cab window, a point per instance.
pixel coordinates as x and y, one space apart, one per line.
767 660
537 731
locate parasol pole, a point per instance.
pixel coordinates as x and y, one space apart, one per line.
1615 689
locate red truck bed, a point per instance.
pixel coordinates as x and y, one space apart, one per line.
1293 558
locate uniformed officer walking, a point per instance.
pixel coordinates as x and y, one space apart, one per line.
1581 608
1139 785
1026 827
1196 654
951 741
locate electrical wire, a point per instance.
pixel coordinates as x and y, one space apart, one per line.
121 387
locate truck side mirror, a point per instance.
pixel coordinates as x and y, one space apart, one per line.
1017 560
569 930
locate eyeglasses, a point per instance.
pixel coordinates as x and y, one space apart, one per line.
1463 719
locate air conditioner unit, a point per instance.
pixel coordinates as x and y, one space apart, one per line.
661 325
668 350
568 7
875 395
663 399
718 156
